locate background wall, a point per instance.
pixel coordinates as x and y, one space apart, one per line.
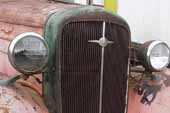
148 19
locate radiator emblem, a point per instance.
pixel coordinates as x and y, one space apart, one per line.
103 42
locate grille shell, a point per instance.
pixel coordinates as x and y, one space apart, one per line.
52 86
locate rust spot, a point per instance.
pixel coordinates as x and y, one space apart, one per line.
35 109
4 110
7 29
17 98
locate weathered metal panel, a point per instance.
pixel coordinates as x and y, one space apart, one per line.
28 12
4 46
20 98
9 31
17 18
5 66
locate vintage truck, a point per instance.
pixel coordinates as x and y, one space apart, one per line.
63 57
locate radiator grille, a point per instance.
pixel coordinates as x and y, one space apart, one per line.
80 68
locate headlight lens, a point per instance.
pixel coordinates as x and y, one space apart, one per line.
28 53
155 55
159 56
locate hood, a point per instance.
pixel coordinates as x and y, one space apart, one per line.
28 12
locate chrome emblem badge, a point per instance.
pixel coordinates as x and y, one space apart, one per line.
103 42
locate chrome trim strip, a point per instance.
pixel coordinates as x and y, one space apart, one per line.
127 87
101 74
101 81
104 28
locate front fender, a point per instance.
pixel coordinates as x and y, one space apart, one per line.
20 98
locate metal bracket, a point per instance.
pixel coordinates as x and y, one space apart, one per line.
12 80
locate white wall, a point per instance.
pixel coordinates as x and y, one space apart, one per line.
148 19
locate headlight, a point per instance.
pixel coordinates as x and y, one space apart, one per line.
155 55
28 53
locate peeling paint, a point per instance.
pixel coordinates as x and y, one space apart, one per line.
4 46
4 109
20 99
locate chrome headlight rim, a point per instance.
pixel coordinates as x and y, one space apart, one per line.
11 49
153 44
